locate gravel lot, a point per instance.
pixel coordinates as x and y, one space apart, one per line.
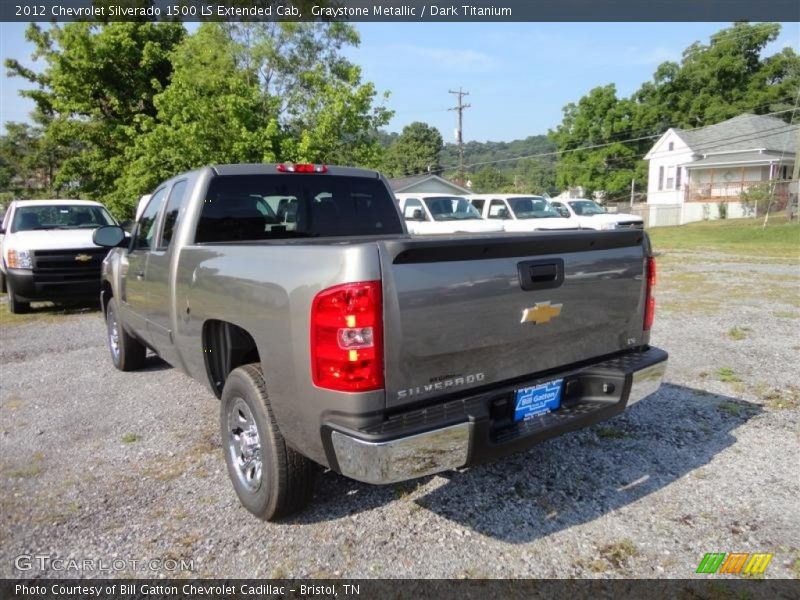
95 463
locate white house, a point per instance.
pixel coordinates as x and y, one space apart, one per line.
694 170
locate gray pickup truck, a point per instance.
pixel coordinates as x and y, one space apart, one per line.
334 338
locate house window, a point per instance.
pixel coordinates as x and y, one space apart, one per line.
671 146
678 172
670 178
660 178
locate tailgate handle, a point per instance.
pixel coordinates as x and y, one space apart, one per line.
541 274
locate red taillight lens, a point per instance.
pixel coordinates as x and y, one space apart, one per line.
301 168
347 337
649 299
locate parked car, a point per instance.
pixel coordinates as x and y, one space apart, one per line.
520 212
47 253
426 214
339 339
588 214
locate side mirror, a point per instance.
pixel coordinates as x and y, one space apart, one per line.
418 215
110 236
503 213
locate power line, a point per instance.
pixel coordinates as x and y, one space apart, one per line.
605 144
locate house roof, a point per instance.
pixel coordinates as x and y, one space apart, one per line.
744 132
739 158
398 184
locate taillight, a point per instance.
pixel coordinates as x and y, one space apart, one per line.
301 168
347 337
649 299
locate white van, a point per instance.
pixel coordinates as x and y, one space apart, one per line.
441 214
520 212
588 214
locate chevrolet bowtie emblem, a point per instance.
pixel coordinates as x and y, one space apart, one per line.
83 257
542 312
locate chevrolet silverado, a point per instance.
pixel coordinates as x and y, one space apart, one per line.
333 338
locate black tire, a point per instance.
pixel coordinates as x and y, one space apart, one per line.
127 353
285 481
2 283
15 305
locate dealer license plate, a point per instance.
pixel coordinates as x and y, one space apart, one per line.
537 400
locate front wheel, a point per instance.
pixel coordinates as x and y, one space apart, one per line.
271 479
127 352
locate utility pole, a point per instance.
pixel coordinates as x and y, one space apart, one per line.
633 190
459 137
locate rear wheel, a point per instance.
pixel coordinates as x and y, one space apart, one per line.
271 479
127 352
15 305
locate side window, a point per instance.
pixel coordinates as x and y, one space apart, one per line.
410 210
170 221
146 229
478 204
561 209
498 210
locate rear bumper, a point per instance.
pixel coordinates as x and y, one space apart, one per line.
30 285
478 428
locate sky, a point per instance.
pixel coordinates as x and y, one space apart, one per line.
519 75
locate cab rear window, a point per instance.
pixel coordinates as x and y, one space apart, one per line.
274 207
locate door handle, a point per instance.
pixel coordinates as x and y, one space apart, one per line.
139 275
541 274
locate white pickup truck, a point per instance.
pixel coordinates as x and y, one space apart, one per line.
520 212
426 214
47 252
588 214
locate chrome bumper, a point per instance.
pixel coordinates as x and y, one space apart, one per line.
405 458
646 382
449 447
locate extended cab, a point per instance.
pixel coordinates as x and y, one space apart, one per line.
47 253
427 214
332 337
520 212
588 214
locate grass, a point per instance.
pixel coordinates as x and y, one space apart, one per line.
728 375
41 312
738 333
730 408
130 438
32 469
783 399
618 552
740 236
786 314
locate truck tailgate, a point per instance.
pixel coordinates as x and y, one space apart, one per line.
456 315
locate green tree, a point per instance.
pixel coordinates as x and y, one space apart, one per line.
713 82
489 179
28 162
416 150
535 175
98 81
256 93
